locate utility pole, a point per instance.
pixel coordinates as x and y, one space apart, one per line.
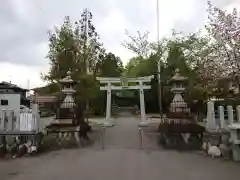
159 66
86 41
28 87
86 56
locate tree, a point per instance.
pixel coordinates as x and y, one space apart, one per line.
93 49
176 58
223 29
61 48
186 53
133 66
75 48
138 44
195 48
109 66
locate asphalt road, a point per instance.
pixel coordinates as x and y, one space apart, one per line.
120 160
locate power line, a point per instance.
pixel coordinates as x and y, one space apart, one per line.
37 5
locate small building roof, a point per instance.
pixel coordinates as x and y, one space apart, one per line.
9 85
42 99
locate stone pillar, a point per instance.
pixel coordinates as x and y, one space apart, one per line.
230 114
142 105
17 115
225 136
14 120
221 117
1 120
5 120
108 106
36 117
10 120
238 113
211 122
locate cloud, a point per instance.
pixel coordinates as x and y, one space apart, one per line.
21 34
24 25
21 74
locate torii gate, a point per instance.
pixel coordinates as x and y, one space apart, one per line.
124 85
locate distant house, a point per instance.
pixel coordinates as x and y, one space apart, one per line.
44 100
7 87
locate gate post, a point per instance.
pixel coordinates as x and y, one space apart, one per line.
221 117
238 113
230 114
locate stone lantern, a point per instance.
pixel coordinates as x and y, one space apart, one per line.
65 122
178 107
66 111
68 91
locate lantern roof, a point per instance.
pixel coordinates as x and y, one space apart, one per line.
67 79
177 77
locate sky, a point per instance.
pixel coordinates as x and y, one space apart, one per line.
25 24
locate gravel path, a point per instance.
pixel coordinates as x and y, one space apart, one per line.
121 160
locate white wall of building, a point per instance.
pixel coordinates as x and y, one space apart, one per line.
13 101
9 106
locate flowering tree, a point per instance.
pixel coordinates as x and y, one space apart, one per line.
138 44
223 29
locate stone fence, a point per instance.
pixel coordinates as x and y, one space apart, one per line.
219 119
13 121
223 128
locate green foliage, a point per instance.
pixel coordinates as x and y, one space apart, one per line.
184 53
76 47
72 48
201 58
110 66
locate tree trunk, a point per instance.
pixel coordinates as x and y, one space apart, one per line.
80 116
80 111
238 83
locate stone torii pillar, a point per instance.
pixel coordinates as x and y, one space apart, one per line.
142 104
109 102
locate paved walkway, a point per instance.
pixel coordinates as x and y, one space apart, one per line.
121 160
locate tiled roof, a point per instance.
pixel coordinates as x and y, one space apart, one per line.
10 85
42 99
